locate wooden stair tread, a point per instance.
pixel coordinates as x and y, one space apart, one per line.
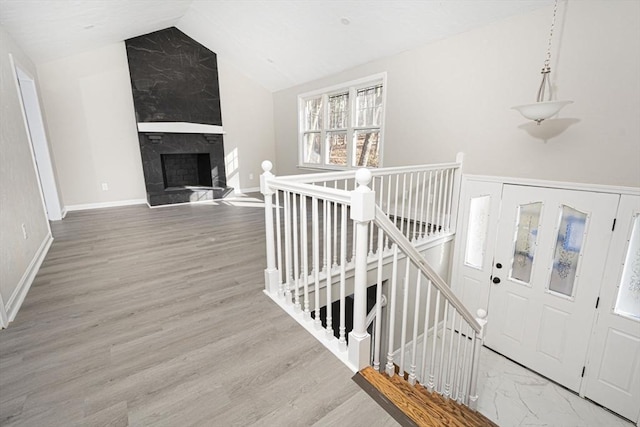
421 406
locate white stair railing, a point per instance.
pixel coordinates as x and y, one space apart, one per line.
332 235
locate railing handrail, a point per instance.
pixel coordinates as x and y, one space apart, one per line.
324 193
412 253
349 174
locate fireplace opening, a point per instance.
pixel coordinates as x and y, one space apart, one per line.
186 170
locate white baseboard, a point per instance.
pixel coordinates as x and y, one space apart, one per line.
16 299
246 190
86 206
64 212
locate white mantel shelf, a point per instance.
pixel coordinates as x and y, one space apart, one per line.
179 127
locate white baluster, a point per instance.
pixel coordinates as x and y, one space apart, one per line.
305 254
342 342
362 212
466 365
416 317
381 195
325 231
296 254
377 338
388 212
431 384
410 191
271 280
423 371
445 204
390 368
287 247
439 209
397 201
415 235
335 230
405 312
373 188
329 328
447 385
316 262
431 202
422 217
457 370
473 395
455 192
443 342
279 246
404 192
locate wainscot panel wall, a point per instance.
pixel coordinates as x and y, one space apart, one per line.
455 95
20 200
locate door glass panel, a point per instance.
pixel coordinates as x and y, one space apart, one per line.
628 301
477 231
571 231
525 241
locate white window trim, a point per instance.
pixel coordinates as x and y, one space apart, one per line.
350 86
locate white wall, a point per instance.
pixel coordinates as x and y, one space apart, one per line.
92 128
247 118
455 95
20 200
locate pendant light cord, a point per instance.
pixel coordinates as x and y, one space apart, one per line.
546 68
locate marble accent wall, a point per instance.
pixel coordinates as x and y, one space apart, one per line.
174 79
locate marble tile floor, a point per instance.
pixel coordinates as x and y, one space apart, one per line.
511 395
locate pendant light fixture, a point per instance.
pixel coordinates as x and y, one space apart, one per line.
541 109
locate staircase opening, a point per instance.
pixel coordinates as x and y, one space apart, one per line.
335 313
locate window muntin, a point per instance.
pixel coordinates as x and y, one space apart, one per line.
341 127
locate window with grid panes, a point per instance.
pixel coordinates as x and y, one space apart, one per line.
341 127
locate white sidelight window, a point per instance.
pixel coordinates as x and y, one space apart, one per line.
341 127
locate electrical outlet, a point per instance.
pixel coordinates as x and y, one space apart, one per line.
24 231
105 186
250 176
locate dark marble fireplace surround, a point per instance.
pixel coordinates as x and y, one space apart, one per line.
175 88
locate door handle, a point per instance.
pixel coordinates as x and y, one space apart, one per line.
496 280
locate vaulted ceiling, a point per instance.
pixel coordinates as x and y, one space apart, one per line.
278 43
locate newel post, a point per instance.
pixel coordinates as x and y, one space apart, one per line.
271 272
473 392
362 212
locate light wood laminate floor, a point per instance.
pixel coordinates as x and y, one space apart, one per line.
145 316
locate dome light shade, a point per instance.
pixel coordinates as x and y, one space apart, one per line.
539 111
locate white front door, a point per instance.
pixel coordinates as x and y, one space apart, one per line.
548 268
473 261
613 370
